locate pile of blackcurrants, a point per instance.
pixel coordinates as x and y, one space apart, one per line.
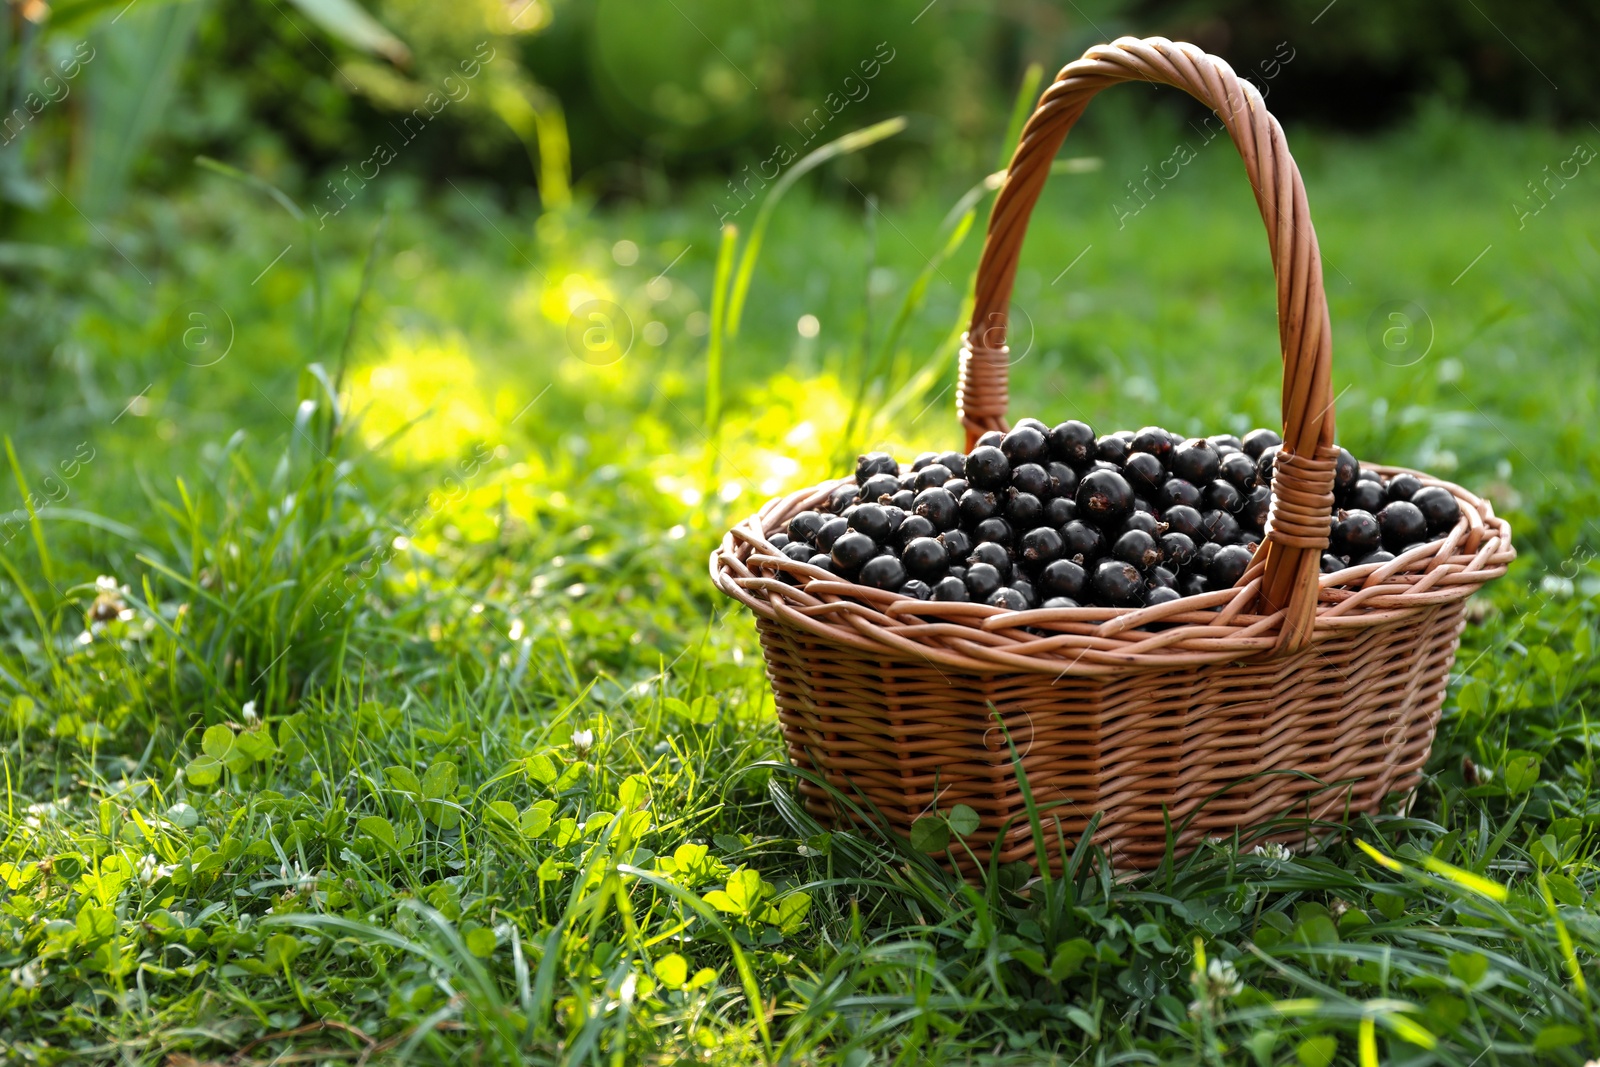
1061 518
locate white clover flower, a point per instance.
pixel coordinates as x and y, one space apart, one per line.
26 976
1222 979
249 713
147 868
1272 850
582 740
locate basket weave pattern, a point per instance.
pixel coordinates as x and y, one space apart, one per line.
1293 693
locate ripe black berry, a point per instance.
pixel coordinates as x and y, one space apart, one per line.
957 545
798 551
1228 566
1072 442
1105 497
1177 491
1401 523
821 561
1060 510
982 581
1332 563
1205 554
905 500
956 486
1184 519
1081 540
1025 444
1267 463
995 529
1195 461
995 555
778 540
955 462
1030 597
1222 495
1146 521
1366 495
1379 556
1355 533
923 459
879 486
979 504
951 590
1403 487
1178 548
1024 510
938 507
875 463
1220 527
1162 578
990 439
1112 449
1062 578
804 526
1257 506
1138 548
1037 424
1438 507
908 479
829 533
1008 598
853 549
1030 478
1063 479
925 558
913 527
1145 472
931 475
1225 441
1193 585
988 468
1119 582
1239 469
916 588
1041 545
1060 602
872 520
881 572
1258 441
1162 595
1153 440
841 498
1345 469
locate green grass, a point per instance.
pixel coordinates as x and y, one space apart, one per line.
405 725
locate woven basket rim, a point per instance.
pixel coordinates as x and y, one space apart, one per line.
1214 627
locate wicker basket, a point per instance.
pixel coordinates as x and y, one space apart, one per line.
1293 693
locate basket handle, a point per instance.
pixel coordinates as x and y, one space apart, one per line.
1298 529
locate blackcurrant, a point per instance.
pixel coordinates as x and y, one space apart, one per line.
872 520
1438 506
1403 487
925 558
841 498
923 459
1184 519
1024 510
1226 440
1258 441
1138 548
908 479
1177 491
1195 461
957 545
1193 585
1081 540
804 526
952 590
905 499
1030 478
979 504
1060 602
995 555
1162 594
1036 424
1355 533
955 462
1267 463
1228 566
1220 527
1105 497
853 549
875 463
1379 556
1025 444
778 540
938 507
1345 469
829 533
1257 506
916 588
1332 563
913 527
1062 578
1145 472
1041 545
1401 523
1222 495
879 486
1063 479
1112 449
1239 469
1008 598
931 475
1366 495
1205 554
821 562
1146 521
1030 596
982 581
1119 582
1178 548
990 439
995 529
798 551
988 468
956 486
1060 510
1072 442
881 572
1153 440
1162 578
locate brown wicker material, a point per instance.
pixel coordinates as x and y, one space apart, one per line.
1293 693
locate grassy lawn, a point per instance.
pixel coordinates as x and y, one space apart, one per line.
363 696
